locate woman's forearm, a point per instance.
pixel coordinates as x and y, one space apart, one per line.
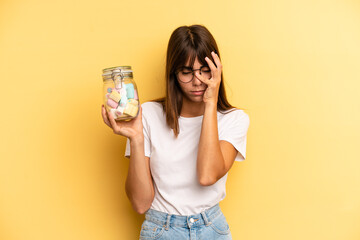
210 160
139 186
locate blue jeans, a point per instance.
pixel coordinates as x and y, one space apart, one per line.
207 225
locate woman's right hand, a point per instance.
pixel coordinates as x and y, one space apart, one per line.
130 129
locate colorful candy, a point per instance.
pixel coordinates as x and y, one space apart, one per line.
122 100
123 92
120 110
111 103
131 110
133 102
130 90
115 95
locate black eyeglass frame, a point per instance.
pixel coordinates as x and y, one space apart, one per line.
191 70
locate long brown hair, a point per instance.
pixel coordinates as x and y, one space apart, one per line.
187 42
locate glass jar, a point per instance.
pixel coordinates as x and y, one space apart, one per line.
120 93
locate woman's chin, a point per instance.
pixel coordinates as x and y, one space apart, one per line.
197 99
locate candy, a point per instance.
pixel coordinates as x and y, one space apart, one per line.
123 91
135 95
131 110
130 90
120 110
131 107
111 103
123 101
115 96
109 90
133 102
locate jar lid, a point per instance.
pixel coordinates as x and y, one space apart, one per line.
117 69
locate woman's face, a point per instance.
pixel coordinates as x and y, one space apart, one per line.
193 90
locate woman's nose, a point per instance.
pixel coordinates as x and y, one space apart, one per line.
196 81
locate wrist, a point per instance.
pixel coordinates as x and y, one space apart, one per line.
138 138
211 105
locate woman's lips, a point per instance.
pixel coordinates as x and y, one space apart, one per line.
198 92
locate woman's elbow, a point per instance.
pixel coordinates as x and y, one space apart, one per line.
141 208
207 181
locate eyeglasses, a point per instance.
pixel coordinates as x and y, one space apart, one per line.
186 74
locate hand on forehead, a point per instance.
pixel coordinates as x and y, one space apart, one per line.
197 64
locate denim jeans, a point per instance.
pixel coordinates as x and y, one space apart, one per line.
207 225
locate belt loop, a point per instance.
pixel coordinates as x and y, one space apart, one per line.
167 222
207 223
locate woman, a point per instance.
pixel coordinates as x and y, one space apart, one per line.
181 147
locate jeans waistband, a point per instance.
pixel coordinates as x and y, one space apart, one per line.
186 221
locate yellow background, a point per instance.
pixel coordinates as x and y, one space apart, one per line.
292 65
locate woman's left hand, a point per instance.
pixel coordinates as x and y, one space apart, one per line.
213 84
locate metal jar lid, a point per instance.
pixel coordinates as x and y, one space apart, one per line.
123 71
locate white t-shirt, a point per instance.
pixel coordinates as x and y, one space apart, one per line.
173 160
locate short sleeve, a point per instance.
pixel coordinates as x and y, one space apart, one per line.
233 129
147 143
